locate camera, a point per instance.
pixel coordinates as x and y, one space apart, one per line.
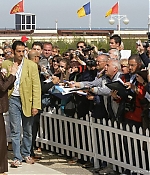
130 103
46 71
91 63
77 53
88 48
145 44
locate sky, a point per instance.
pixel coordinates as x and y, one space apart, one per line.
65 12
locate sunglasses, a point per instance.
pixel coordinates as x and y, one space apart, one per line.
55 61
2 54
62 66
79 46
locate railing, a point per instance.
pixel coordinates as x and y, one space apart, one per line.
102 140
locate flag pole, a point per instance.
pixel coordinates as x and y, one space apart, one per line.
149 19
118 20
23 4
90 19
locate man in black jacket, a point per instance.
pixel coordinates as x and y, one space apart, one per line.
34 56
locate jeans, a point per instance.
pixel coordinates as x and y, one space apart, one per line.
16 117
35 128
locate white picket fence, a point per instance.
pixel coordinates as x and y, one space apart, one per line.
96 140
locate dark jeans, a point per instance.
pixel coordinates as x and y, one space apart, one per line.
35 128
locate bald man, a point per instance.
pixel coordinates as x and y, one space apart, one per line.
34 56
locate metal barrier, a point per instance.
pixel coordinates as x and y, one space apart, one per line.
100 140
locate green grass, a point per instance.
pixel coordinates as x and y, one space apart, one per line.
65 44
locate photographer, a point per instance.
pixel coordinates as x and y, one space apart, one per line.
76 70
84 52
145 102
133 117
142 49
81 45
134 108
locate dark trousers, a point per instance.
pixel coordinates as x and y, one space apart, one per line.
3 146
35 128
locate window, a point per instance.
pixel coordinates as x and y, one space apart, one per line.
18 27
18 19
33 19
23 19
33 27
23 27
28 19
28 27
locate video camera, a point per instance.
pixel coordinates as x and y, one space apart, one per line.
90 62
88 48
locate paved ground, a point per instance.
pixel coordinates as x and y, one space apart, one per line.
50 164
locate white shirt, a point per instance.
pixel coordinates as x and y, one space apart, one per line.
17 81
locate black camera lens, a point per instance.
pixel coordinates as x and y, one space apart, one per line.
91 63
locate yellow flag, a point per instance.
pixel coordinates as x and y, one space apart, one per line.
108 13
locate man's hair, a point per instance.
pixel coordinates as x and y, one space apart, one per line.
135 57
105 57
37 43
116 63
117 39
17 43
116 52
47 43
82 42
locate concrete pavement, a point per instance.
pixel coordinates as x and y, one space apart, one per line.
51 164
35 169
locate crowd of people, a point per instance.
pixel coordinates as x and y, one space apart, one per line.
29 75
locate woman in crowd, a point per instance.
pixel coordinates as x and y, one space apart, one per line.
64 68
55 69
5 84
124 66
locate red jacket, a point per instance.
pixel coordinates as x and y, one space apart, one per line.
136 114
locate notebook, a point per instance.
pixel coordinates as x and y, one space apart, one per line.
118 86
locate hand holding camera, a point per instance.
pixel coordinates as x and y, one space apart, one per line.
140 47
44 71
